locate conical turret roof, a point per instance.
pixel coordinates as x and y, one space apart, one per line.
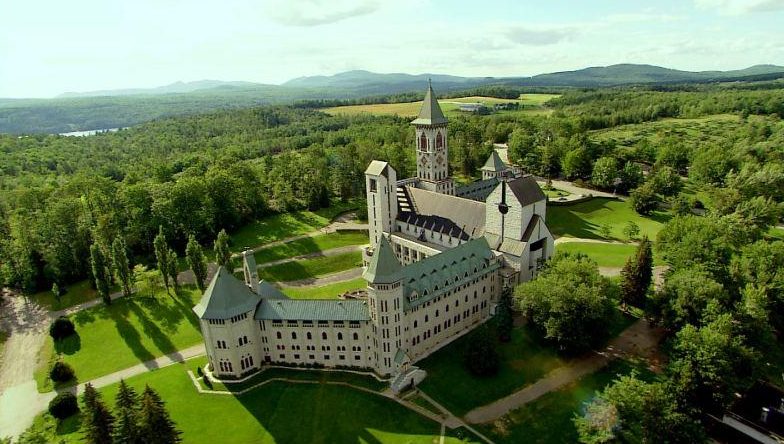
430 113
384 267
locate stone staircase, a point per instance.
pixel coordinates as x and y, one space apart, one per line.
403 380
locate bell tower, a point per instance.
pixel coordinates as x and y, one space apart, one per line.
431 146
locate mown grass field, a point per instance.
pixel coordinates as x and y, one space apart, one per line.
548 420
311 268
76 293
330 291
311 245
285 225
605 255
278 412
530 102
585 219
128 332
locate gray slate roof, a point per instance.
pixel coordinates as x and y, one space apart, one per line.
526 190
466 214
226 296
384 268
494 163
313 310
430 113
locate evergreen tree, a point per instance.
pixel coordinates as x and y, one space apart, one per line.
222 252
161 248
99 421
126 429
636 275
196 260
155 425
122 270
504 319
56 292
100 273
171 268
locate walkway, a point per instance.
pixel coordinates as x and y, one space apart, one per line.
323 280
639 340
324 253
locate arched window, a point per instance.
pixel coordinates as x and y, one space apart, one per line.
279 336
294 335
310 336
422 142
324 336
356 337
340 336
439 140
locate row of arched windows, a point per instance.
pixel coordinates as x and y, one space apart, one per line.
309 335
423 141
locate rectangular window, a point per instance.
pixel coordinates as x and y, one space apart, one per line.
373 186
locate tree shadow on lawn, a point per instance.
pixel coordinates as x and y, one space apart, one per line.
167 314
569 220
296 248
328 413
159 338
290 271
131 336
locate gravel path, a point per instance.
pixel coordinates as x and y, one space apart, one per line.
640 340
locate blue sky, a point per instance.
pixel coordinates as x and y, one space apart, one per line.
48 47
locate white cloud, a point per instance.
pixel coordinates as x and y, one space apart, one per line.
539 37
318 12
737 7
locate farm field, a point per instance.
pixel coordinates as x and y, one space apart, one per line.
585 219
532 103
272 413
330 291
128 332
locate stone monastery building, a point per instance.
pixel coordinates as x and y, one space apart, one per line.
438 259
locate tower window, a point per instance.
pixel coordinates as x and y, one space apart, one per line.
422 142
439 141
373 186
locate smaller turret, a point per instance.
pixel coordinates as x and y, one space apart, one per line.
250 271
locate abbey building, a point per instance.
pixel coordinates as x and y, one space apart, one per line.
438 258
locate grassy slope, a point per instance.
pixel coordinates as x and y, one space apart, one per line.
702 129
309 268
311 245
330 291
282 226
549 418
124 334
277 412
584 219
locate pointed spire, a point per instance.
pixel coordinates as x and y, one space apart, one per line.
430 113
384 267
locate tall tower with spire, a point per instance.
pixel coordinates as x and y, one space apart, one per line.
431 146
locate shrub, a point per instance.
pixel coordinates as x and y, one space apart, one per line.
61 372
61 328
199 371
63 405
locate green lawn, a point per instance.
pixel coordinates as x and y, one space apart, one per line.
584 220
549 418
554 192
275 413
75 294
282 226
126 333
523 361
311 245
309 268
605 255
330 291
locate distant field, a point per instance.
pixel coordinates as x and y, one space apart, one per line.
533 103
704 129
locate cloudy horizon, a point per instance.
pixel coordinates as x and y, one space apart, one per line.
88 45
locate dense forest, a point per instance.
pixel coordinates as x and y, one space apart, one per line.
200 174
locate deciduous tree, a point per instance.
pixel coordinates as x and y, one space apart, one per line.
100 273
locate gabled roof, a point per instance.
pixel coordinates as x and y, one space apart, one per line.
430 113
226 296
526 190
384 267
494 163
313 310
466 214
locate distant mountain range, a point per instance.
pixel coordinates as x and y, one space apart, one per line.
359 82
75 111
